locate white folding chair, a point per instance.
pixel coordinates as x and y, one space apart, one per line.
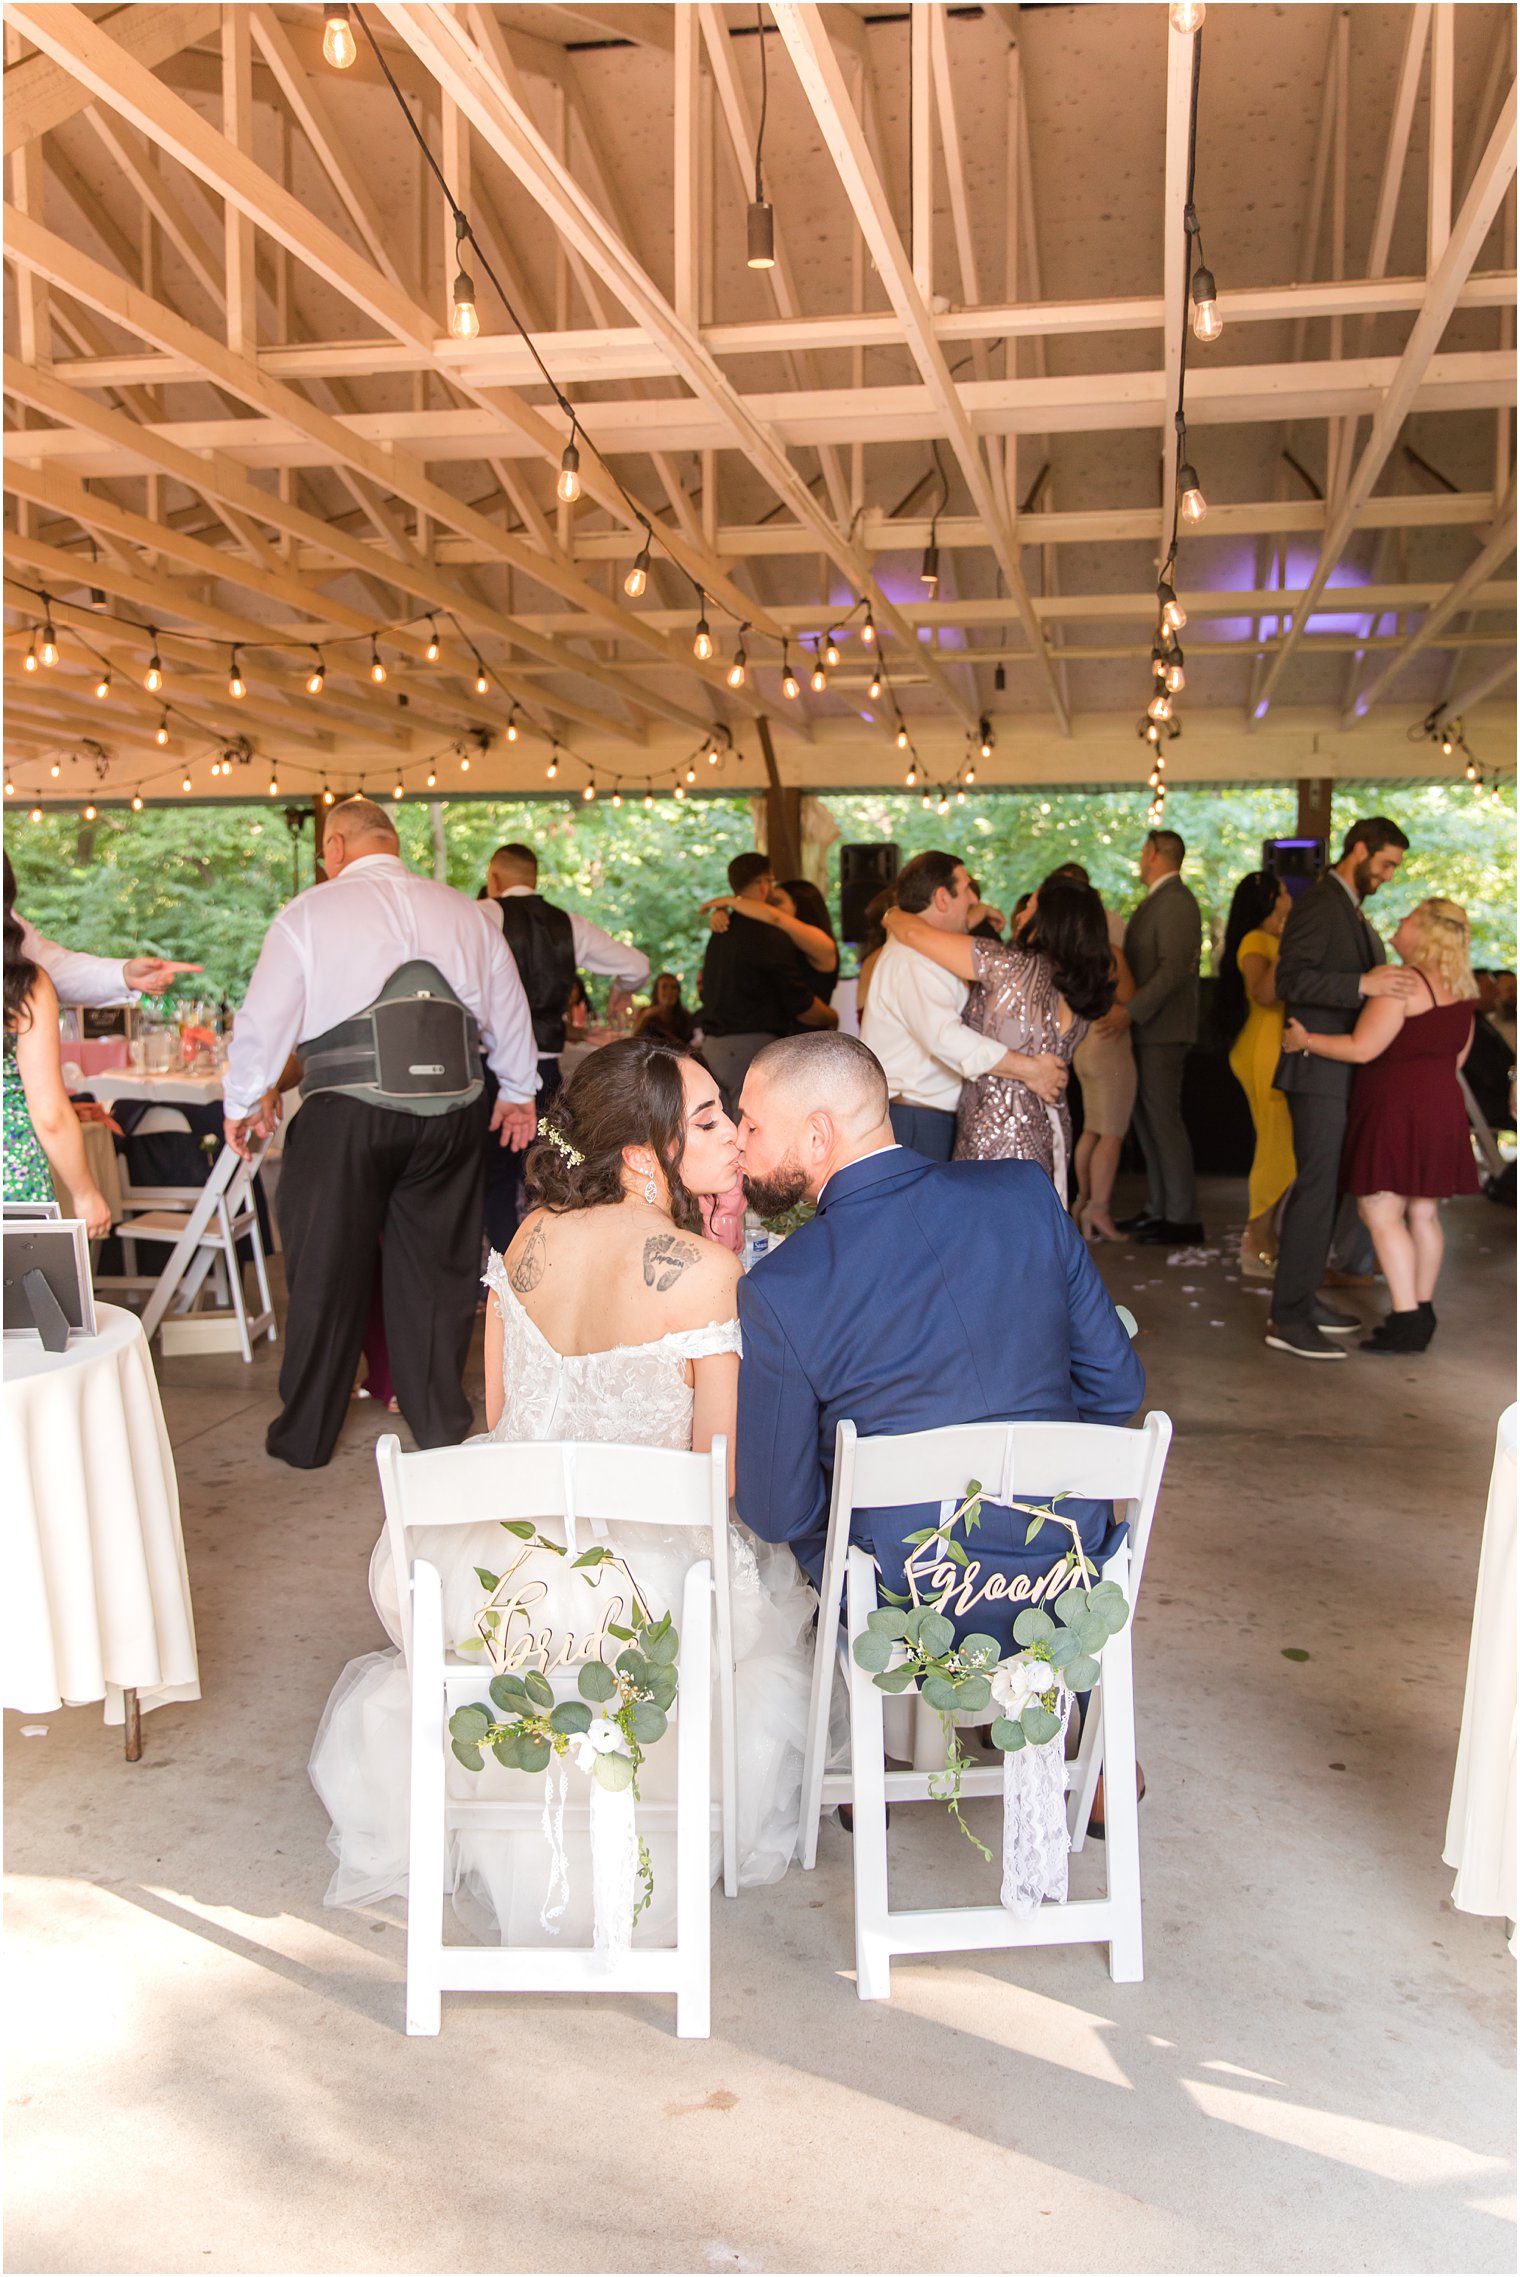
581 1485
1025 1462
202 1227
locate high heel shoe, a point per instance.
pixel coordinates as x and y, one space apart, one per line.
1091 1229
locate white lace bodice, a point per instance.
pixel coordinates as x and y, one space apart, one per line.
636 1394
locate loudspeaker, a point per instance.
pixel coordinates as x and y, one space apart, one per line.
863 872
1297 861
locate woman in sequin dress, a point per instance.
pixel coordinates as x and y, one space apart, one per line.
1036 995
41 1127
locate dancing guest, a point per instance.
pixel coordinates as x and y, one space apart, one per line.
387 985
1408 1147
798 910
665 1019
1163 942
1249 1018
1330 961
873 944
1035 996
755 987
913 1021
550 946
42 1131
1104 1066
611 1318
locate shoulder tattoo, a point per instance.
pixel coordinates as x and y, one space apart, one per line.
666 1257
529 1269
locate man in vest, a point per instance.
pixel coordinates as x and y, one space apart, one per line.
386 987
549 946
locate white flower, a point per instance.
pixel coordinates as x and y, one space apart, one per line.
1011 1685
603 1736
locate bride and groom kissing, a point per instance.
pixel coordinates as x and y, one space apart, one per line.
919 1294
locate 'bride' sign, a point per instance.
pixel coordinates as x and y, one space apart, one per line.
515 1633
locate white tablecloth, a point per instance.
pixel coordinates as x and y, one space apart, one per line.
172 1090
94 1596
1480 1832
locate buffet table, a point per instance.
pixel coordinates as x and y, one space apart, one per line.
94 1594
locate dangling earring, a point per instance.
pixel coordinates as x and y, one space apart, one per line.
651 1191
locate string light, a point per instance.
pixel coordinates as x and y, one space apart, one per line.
464 764
702 647
1160 705
1174 678
637 579
376 667
1194 505
236 686
29 661
589 793
137 804
55 770
398 791
911 776
161 732
153 678
103 685
789 683
902 737
434 647
10 788
49 649
553 767
617 798
185 785
36 814
568 487
875 687
1173 614
831 653
432 777
327 795
512 727
338 43
273 787
818 680
691 772
482 679
868 629
464 316
316 678
986 738
737 670
648 799
970 774
89 814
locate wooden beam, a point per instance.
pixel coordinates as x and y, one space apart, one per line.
1442 106
1500 546
41 93
687 179
1494 174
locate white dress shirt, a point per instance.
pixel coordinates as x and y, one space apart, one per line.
330 952
77 978
595 951
913 1024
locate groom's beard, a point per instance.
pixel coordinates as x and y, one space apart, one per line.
772 1197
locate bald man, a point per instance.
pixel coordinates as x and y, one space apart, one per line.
387 987
921 1294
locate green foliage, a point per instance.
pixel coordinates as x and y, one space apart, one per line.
203 882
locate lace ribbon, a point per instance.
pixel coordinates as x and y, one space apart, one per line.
1036 1838
614 1869
557 1895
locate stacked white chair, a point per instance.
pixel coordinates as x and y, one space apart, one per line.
579 1485
202 1227
1023 1462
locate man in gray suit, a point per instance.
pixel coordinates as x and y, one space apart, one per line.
1162 945
1330 962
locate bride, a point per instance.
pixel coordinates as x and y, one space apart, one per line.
612 1318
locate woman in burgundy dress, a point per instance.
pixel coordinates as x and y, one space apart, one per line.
1408 1147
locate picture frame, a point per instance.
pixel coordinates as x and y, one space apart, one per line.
58 1249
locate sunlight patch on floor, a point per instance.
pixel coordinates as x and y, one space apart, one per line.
1395 2154
1010 2016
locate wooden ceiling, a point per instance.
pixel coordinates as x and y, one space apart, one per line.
235 413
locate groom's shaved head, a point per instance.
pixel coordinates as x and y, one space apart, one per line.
830 1072
811 1104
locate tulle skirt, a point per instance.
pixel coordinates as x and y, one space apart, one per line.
500 1880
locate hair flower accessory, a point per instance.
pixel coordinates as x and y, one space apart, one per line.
561 1145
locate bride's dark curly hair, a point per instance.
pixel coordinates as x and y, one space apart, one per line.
629 1093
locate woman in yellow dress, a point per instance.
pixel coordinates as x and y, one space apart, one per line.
1251 1020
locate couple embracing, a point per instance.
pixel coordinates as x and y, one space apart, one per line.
920 1294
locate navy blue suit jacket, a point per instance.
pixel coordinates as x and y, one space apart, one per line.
922 1294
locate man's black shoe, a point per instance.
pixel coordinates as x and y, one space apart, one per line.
1303 1340
1138 1223
1329 1322
1169 1232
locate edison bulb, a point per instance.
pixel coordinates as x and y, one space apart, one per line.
464 316
338 43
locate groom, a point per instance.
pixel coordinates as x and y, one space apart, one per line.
921 1294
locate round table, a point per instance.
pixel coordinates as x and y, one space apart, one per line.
1480 1831
94 1595
177 1088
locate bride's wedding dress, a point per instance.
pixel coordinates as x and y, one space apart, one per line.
632 1394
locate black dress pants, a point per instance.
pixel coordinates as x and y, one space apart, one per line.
1308 1219
504 1164
351 1173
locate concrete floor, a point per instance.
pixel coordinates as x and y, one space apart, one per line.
208 2070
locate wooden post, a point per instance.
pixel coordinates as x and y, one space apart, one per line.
133 1718
1314 807
783 813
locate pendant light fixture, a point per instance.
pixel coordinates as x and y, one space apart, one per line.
637 579
153 678
237 686
29 661
376 667
789 683
316 678
464 316
49 649
760 222
103 686
831 652
434 647
875 688
868 629
568 487
737 670
1194 505
702 647
161 732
